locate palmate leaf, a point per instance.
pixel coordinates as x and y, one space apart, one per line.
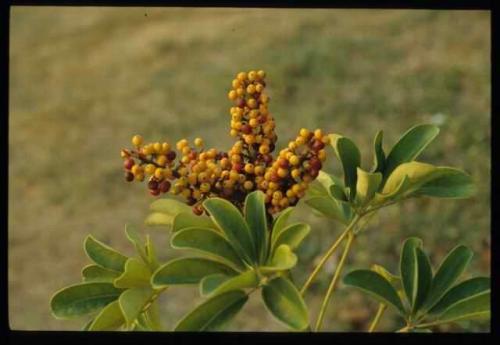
255 216
462 291
350 157
109 318
185 220
475 307
378 153
104 255
375 285
214 313
408 268
209 242
217 284
330 208
163 211
134 238
136 274
95 273
132 302
188 271
292 236
283 259
367 185
424 279
409 146
231 222
450 269
280 223
82 299
452 183
285 303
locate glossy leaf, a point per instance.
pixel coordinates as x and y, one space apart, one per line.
378 153
136 274
229 219
474 307
132 302
95 273
134 237
350 157
169 207
408 268
283 259
188 271
451 268
329 208
214 313
391 278
185 220
292 235
464 290
209 242
255 216
280 223
82 299
104 255
376 285
418 175
409 146
424 278
151 253
210 287
285 303
367 185
453 183
158 219
109 318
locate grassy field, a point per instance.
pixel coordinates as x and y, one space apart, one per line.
84 80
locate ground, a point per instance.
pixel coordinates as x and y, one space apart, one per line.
84 80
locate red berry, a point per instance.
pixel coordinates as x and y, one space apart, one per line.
154 192
198 210
153 184
274 177
283 163
317 145
238 167
246 128
315 163
314 173
171 155
164 186
240 102
128 163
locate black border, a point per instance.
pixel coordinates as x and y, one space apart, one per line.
64 337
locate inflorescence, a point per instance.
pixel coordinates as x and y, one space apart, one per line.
197 173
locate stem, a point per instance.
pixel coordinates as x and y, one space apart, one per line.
329 253
404 329
333 283
379 314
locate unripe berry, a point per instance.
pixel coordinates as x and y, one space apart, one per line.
161 160
137 169
235 83
139 177
252 75
322 155
304 132
198 142
252 103
318 134
251 89
232 95
282 172
263 149
242 76
157 147
159 173
205 187
147 149
259 88
294 160
253 123
150 169
249 168
248 185
261 74
137 140
295 173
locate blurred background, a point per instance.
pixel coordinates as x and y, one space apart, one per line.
84 80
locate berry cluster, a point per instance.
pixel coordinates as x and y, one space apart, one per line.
249 165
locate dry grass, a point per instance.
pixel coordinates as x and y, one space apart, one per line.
84 80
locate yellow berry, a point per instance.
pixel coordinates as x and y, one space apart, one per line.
165 147
242 76
186 193
326 140
282 172
205 187
158 173
240 91
263 149
249 168
295 173
181 143
284 203
252 75
261 74
161 160
136 169
300 140
253 123
290 193
259 170
157 147
198 142
304 132
196 194
252 103
233 133
248 185
232 95
236 83
294 160
137 140
322 155
273 185
186 150
296 188
139 177
150 169
259 87
292 145
318 134
193 178
249 139
277 195
251 89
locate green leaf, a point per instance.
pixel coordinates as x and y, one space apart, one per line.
283 259
212 282
378 153
350 157
284 302
329 208
376 285
104 255
109 318
207 241
189 220
187 271
464 290
418 175
216 284
169 206
475 307
134 237
214 313
331 185
229 219
255 216
82 299
158 219
453 183
424 278
391 278
280 223
94 273
292 235
136 274
151 253
409 146
87 325
408 268
132 301
367 185
451 268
